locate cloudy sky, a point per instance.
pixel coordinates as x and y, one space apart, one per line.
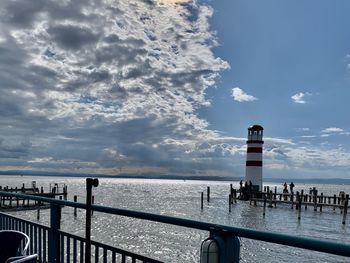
170 87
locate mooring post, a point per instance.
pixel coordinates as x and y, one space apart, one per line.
334 202
202 197
65 192
315 200
208 194
231 190
75 209
90 182
321 202
345 211
297 201
342 203
229 202
306 201
38 211
275 196
54 235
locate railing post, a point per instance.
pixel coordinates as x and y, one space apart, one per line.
89 184
220 247
54 236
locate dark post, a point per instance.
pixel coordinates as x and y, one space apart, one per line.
75 209
334 202
38 211
321 202
315 201
345 211
202 197
229 202
54 236
292 199
89 184
306 201
208 194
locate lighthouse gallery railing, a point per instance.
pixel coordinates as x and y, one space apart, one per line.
54 245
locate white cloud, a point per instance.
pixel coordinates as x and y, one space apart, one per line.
240 96
300 97
332 130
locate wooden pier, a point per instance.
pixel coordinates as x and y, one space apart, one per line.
294 200
11 203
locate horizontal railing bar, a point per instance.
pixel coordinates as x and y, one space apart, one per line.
331 247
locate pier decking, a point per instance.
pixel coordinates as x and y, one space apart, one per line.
15 203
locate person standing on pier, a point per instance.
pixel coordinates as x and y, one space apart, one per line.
291 186
285 188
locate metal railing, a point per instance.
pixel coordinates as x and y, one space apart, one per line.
53 245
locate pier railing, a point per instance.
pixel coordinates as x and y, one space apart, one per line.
54 245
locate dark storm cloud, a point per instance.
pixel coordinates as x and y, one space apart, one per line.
71 36
21 13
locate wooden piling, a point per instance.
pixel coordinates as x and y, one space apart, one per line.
229 202
334 201
299 206
321 202
208 194
264 209
38 211
315 202
345 211
297 200
275 197
75 209
202 197
306 199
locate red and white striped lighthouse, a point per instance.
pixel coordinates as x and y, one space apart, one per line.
253 171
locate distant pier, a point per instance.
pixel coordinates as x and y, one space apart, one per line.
298 200
12 203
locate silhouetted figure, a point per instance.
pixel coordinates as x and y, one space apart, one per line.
285 188
291 186
240 184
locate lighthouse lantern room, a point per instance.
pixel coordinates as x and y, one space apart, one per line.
254 162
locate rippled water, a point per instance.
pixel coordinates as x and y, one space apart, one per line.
182 199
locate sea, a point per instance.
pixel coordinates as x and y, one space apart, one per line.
181 198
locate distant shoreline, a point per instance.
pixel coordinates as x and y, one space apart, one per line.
179 177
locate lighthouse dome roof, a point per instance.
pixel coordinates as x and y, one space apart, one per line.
255 127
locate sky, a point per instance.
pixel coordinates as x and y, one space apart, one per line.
170 87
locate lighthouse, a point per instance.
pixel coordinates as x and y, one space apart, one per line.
253 171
